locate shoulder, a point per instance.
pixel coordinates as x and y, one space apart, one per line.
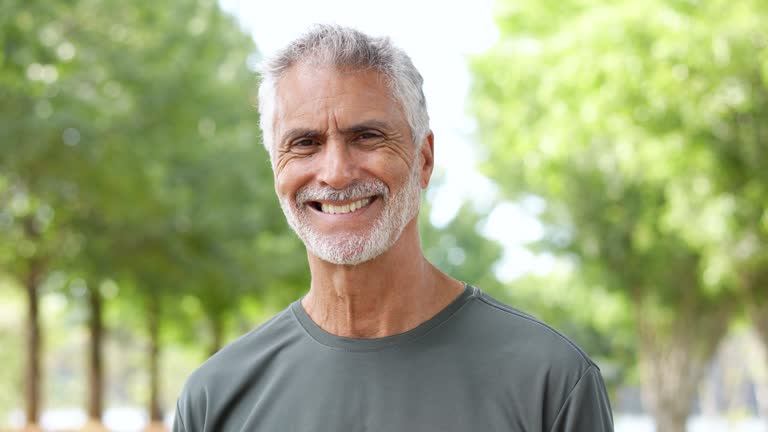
560 379
221 373
518 343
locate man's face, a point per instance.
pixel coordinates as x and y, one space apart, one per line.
347 172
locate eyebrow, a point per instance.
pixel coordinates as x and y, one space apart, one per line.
296 133
300 133
367 125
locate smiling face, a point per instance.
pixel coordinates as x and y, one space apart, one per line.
347 172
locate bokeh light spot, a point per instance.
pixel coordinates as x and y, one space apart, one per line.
71 136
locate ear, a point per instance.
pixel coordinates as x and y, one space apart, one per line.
427 159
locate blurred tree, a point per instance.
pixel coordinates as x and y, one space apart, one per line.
642 124
31 232
33 240
127 130
460 250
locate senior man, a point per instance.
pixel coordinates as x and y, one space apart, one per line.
383 340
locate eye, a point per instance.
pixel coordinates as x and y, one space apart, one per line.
370 136
303 145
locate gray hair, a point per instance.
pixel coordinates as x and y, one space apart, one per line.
344 47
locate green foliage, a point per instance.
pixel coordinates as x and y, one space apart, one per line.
141 137
460 250
625 116
644 127
130 160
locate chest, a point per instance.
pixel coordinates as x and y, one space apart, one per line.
375 395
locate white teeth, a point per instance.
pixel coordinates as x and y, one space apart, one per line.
346 208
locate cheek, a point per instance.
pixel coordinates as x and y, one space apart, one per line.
282 175
288 179
283 186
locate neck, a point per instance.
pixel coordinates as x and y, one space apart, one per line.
390 294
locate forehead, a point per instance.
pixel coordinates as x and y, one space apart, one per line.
309 95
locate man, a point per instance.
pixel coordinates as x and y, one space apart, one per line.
383 340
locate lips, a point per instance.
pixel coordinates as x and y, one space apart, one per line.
352 199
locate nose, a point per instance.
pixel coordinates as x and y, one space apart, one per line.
338 166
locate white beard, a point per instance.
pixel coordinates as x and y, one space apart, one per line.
359 247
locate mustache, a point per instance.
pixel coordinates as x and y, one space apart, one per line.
356 190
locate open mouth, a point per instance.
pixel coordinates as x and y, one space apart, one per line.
341 208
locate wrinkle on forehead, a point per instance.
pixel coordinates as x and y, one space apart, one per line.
304 78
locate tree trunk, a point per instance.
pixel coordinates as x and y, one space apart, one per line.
754 285
95 359
34 344
759 316
668 421
673 358
153 322
761 394
32 280
217 331
668 391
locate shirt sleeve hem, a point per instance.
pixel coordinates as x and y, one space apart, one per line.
587 371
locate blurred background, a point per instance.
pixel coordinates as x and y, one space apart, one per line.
602 165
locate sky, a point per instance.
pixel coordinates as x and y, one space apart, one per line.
439 36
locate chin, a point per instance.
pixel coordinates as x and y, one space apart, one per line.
349 252
345 257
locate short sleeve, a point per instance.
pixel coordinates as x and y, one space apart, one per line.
587 408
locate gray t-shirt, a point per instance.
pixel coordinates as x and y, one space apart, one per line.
475 366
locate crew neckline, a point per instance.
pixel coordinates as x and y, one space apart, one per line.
375 344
